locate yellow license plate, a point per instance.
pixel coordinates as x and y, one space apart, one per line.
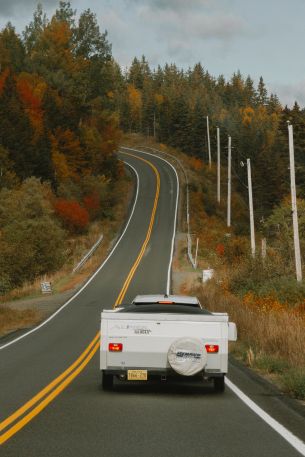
137 375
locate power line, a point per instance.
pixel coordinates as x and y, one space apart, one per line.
235 173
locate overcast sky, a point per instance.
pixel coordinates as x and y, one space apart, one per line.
257 37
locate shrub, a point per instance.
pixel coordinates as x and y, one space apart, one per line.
236 248
32 241
30 248
92 204
73 216
254 274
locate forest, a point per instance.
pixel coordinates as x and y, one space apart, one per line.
58 135
65 104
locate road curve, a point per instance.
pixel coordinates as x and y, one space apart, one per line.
74 417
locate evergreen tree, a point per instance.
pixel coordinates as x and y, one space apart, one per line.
262 94
33 31
12 53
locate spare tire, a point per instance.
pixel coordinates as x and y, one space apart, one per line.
187 356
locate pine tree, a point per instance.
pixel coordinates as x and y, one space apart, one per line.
12 52
33 31
262 94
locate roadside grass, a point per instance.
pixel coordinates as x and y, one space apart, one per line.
293 382
271 341
12 319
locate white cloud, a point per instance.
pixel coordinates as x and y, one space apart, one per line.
289 93
171 4
182 30
14 8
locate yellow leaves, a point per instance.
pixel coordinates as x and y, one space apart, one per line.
159 99
67 154
264 304
56 46
110 94
60 165
40 89
135 101
247 116
223 114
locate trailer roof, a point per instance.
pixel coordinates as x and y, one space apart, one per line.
177 299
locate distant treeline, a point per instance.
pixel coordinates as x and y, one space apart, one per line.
173 104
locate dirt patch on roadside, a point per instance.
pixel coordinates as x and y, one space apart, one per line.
184 277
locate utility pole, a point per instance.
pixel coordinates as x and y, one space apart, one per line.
196 253
264 248
154 125
209 143
297 252
251 208
218 165
229 183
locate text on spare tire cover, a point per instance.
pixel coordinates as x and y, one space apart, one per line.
188 355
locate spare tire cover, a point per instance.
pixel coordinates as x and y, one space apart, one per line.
187 356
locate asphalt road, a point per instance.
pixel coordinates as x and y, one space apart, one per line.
153 419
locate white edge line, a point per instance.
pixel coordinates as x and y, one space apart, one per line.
89 280
176 211
279 428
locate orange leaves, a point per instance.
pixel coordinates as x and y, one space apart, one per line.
220 249
58 33
264 304
26 94
92 203
3 78
74 216
31 90
196 164
299 310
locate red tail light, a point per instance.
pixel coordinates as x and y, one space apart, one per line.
115 347
212 348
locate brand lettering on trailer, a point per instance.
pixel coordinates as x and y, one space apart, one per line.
188 355
142 331
136 328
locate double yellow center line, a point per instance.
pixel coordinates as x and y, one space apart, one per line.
22 416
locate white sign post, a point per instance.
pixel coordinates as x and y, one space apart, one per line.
46 287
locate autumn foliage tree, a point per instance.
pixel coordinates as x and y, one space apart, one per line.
74 217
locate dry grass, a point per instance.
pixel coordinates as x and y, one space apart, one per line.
279 333
11 319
